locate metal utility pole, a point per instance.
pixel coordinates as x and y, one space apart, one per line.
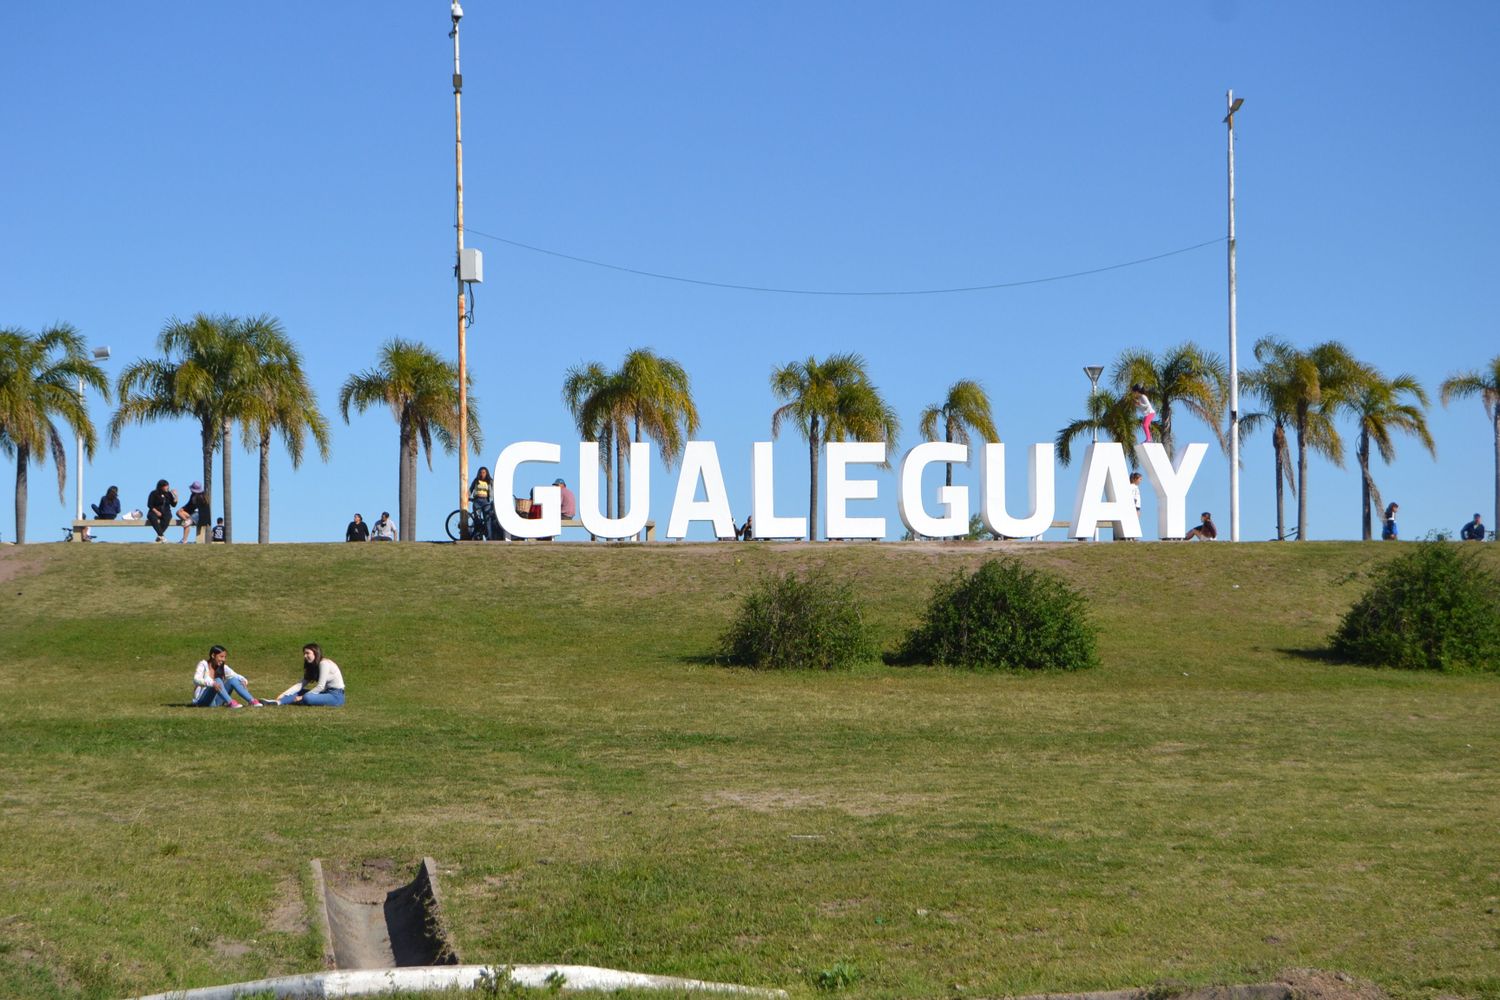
1234 363
100 354
463 358
1093 372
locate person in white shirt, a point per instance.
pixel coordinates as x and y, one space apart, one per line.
215 683
384 529
322 682
1143 407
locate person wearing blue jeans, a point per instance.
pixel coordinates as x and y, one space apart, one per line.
215 683
322 682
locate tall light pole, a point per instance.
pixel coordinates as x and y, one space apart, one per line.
1234 361
457 13
100 354
1093 372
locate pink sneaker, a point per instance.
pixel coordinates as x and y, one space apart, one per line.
258 703
235 704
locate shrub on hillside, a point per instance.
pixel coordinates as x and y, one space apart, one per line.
1432 608
1004 616
790 622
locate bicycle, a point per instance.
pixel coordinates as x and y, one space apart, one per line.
470 526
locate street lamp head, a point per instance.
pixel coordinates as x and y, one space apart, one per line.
1093 372
458 12
101 354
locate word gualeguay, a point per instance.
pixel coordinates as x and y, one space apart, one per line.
1102 498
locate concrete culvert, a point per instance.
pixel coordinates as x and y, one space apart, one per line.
371 920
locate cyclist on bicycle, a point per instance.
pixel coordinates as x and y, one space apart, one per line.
482 500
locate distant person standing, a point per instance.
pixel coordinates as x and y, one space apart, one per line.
358 530
482 498
1135 500
1205 531
216 533
1473 531
385 528
1388 531
159 507
1143 408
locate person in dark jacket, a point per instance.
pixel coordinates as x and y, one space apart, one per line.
108 507
358 530
194 513
159 507
1473 531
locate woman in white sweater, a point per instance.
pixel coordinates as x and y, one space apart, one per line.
215 683
322 682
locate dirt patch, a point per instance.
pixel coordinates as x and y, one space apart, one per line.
773 800
1320 984
18 561
231 949
290 914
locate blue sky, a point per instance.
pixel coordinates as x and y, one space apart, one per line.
297 159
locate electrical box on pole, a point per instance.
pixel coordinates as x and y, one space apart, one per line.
470 266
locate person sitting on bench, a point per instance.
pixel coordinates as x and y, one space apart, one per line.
108 507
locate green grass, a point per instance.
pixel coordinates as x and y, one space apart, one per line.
1215 803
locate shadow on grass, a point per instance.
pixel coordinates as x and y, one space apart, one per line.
1321 654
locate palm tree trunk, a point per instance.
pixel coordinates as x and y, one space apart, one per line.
1363 453
1278 438
409 533
812 483
228 503
607 439
1301 481
23 458
407 443
948 437
1495 524
642 536
210 435
620 474
263 529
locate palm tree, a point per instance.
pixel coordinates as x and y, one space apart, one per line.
1310 385
830 400
1273 385
1109 414
200 375
965 407
1486 385
422 391
39 378
281 402
585 388
1377 404
656 395
1185 376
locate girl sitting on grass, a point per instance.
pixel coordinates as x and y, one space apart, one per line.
215 683
322 682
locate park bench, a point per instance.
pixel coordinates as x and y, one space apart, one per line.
574 522
75 532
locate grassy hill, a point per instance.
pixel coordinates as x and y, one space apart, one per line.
1216 803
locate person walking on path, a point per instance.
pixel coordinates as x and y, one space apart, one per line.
1388 531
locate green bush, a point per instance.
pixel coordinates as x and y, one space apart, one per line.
1004 616
1432 608
790 622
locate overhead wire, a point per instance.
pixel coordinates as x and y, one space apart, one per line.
993 286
